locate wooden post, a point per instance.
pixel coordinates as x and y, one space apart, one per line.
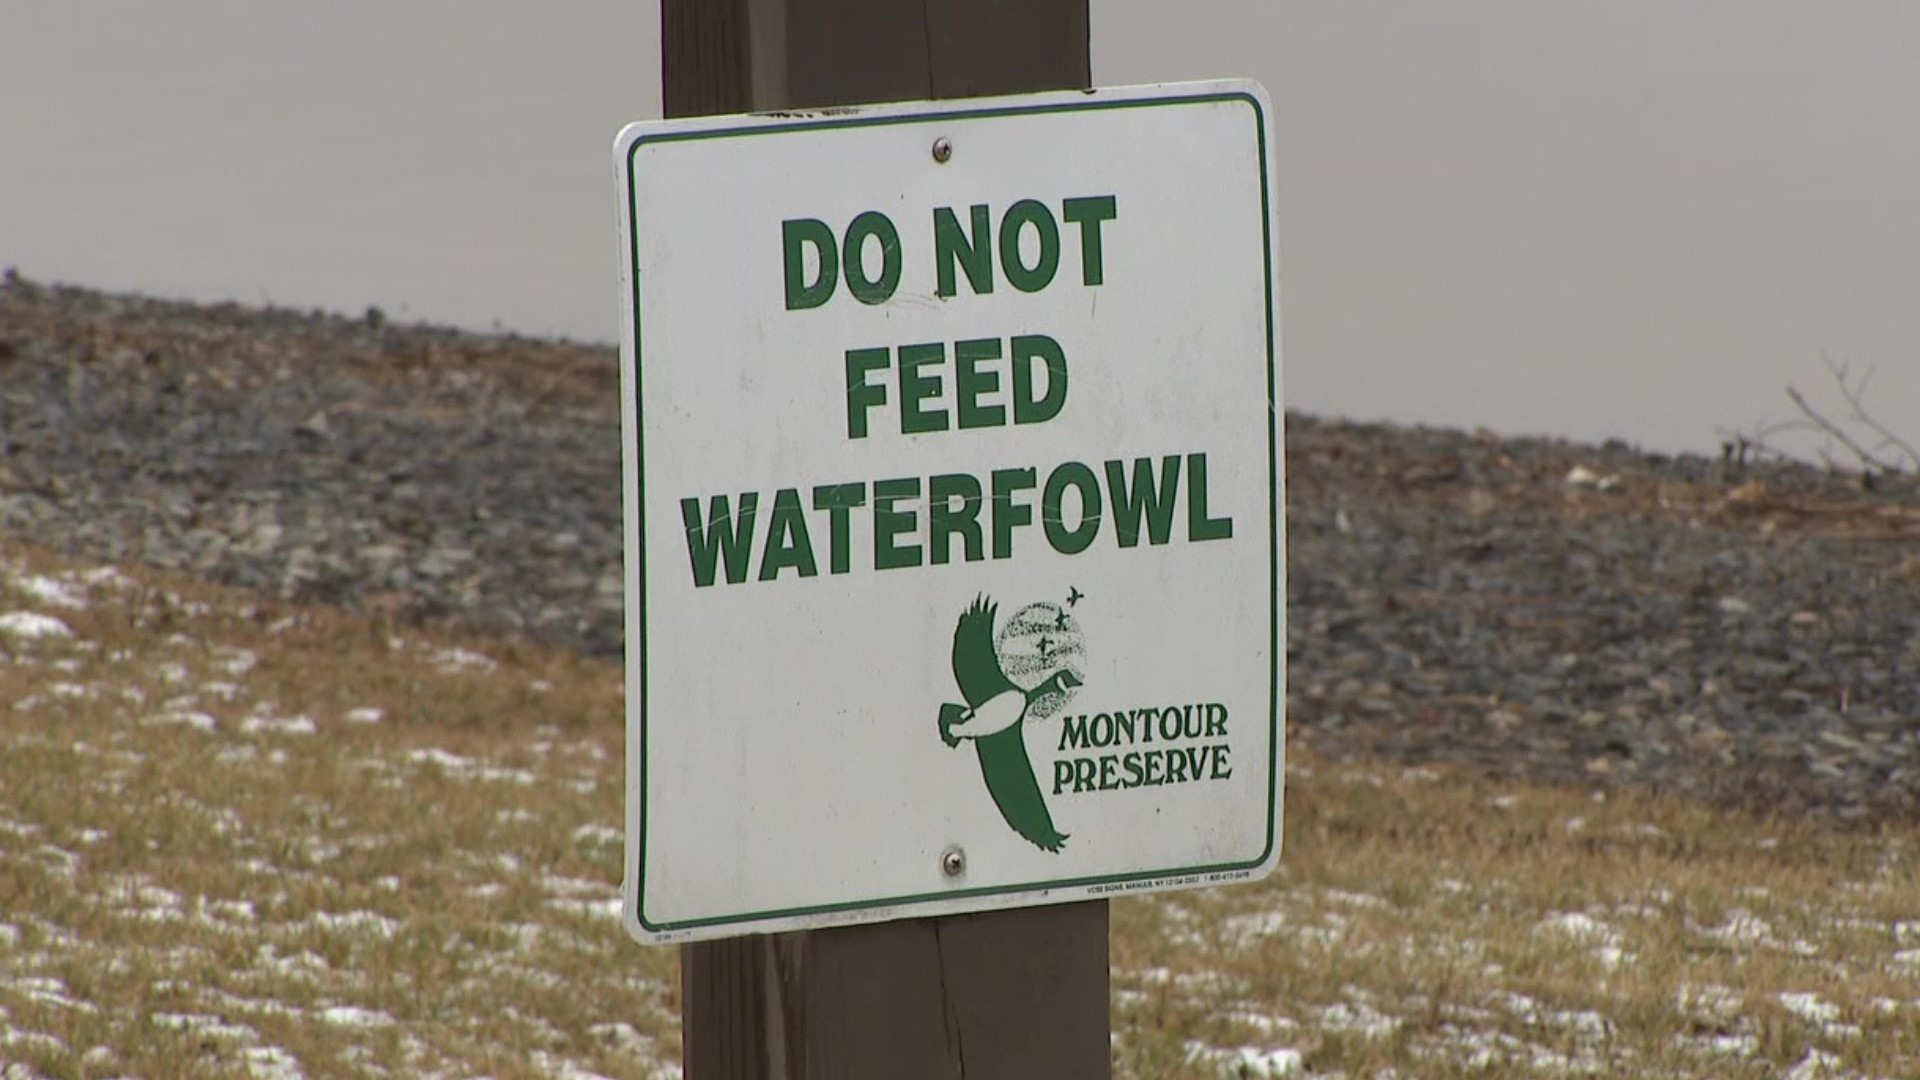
721 56
1003 995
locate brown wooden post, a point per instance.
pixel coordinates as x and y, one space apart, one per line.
998 996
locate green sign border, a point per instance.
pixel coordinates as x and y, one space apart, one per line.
828 121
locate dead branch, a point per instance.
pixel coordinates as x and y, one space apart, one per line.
1855 397
1889 454
1866 457
1853 391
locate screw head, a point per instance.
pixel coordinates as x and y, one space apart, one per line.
953 861
942 149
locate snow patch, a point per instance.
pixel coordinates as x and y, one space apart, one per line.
467 768
1712 1001
272 1063
146 901
221 914
366 922
1358 1018
235 661
458 660
605 909
1577 925
47 991
49 591
300 967
1581 476
1810 1007
623 1038
199 721
1742 927
571 886
1246 1061
211 1027
38 1041
1817 1063
354 1016
562 1069
31 624
599 834
276 725
1735 1045
1355 899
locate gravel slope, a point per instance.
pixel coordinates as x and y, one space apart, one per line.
1537 607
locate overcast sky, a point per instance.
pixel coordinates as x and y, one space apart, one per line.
1638 218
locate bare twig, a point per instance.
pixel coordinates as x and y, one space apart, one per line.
1866 456
1887 454
1856 396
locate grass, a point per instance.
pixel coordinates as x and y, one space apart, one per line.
1431 923
238 836
235 836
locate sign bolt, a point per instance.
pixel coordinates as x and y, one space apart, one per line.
942 150
953 861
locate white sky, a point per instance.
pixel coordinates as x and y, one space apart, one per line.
1633 217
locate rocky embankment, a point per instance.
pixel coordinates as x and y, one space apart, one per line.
1538 608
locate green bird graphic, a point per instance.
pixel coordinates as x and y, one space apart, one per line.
991 718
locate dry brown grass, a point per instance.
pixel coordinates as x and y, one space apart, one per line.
215 861
1433 923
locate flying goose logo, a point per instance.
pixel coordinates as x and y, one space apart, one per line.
1025 672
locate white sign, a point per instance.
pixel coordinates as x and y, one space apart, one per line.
954 506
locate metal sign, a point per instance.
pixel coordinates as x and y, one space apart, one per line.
954 506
